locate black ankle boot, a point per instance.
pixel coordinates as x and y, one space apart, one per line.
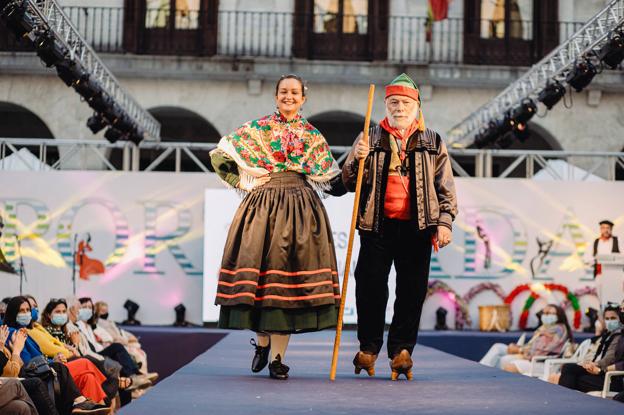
261 357
278 370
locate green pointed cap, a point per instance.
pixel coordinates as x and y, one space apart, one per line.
403 85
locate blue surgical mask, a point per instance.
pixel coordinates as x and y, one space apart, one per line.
85 314
59 319
35 314
23 319
612 325
549 319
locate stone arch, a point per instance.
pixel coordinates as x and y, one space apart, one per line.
17 121
183 125
340 128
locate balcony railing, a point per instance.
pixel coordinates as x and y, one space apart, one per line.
270 34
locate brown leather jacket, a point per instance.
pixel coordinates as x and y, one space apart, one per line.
432 189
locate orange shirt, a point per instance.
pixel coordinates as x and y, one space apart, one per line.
397 202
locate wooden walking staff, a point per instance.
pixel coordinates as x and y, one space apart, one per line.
356 200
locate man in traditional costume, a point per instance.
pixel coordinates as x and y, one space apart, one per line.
278 274
408 203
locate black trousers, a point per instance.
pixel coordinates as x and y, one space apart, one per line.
117 352
575 377
38 392
410 251
69 390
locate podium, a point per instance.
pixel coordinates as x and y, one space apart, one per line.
610 283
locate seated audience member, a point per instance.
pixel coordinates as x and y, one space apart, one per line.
14 398
548 339
3 304
108 332
603 346
589 376
86 349
87 323
76 379
11 365
54 320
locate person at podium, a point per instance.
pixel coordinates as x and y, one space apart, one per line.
604 245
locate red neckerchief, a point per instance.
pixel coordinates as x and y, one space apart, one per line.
403 136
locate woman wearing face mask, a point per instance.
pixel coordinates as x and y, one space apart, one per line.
87 322
589 376
548 339
278 273
77 379
54 319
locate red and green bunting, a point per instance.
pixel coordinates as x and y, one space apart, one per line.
534 296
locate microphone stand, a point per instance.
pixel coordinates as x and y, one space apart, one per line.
74 252
22 270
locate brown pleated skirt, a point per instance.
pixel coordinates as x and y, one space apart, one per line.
278 271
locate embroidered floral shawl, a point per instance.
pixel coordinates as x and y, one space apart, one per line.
273 144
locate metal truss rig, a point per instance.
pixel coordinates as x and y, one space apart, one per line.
48 14
553 67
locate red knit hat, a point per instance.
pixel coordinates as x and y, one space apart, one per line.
403 85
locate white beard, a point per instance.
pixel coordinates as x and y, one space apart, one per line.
403 123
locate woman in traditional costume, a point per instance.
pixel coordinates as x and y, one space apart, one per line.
278 274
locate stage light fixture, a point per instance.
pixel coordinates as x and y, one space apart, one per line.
120 121
552 94
441 313
113 112
96 123
113 135
137 135
49 49
504 141
69 71
100 102
521 132
581 75
494 130
180 320
132 308
123 123
17 19
524 112
480 139
612 53
86 87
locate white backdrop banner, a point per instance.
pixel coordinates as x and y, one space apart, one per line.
150 242
508 233
146 232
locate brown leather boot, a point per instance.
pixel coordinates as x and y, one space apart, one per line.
401 364
366 361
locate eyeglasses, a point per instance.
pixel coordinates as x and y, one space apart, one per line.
58 301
